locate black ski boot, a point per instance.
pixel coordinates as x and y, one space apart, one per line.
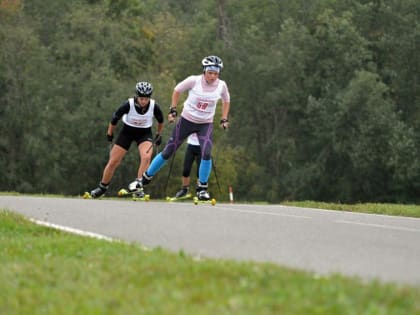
182 192
99 191
146 179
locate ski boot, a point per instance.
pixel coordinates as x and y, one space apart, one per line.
139 183
146 179
202 193
203 196
135 186
99 191
182 192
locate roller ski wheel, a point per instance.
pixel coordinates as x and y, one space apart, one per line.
187 196
145 198
87 195
124 193
198 201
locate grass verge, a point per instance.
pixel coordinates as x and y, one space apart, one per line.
46 271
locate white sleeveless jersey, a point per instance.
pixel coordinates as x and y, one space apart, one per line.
193 139
200 105
134 119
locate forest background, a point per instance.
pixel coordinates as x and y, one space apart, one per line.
325 95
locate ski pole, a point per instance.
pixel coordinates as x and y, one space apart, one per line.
153 144
214 167
214 163
215 174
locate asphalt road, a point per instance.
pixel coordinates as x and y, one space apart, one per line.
379 247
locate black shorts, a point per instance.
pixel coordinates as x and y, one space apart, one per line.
129 134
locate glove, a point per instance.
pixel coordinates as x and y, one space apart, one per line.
172 111
110 137
172 114
224 123
158 139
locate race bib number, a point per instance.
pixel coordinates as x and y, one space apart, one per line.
202 105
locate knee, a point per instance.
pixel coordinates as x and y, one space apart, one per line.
113 164
206 155
167 153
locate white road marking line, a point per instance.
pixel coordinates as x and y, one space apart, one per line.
72 230
382 226
263 213
80 232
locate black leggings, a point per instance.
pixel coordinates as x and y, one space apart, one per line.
192 153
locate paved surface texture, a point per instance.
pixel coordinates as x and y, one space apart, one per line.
321 241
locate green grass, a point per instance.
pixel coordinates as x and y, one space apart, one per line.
46 271
377 208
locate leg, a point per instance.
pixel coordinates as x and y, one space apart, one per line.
197 158
185 181
145 154
145 157
179 133
115 158
188 161
205 138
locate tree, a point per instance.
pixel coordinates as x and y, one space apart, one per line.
376 148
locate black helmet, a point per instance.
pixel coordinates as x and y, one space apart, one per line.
144 89
212 61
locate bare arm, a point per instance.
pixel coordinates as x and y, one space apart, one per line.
225 110
159 128
175 98
111 129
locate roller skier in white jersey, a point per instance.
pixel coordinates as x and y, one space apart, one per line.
137 114
204 92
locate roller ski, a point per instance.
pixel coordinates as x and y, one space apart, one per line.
135 191
183 194
203 196
96 193
140 196
136 196
199 201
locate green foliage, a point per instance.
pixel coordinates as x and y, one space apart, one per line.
325 93
365 125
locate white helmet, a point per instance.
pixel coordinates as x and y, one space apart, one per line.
144 89
212 61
